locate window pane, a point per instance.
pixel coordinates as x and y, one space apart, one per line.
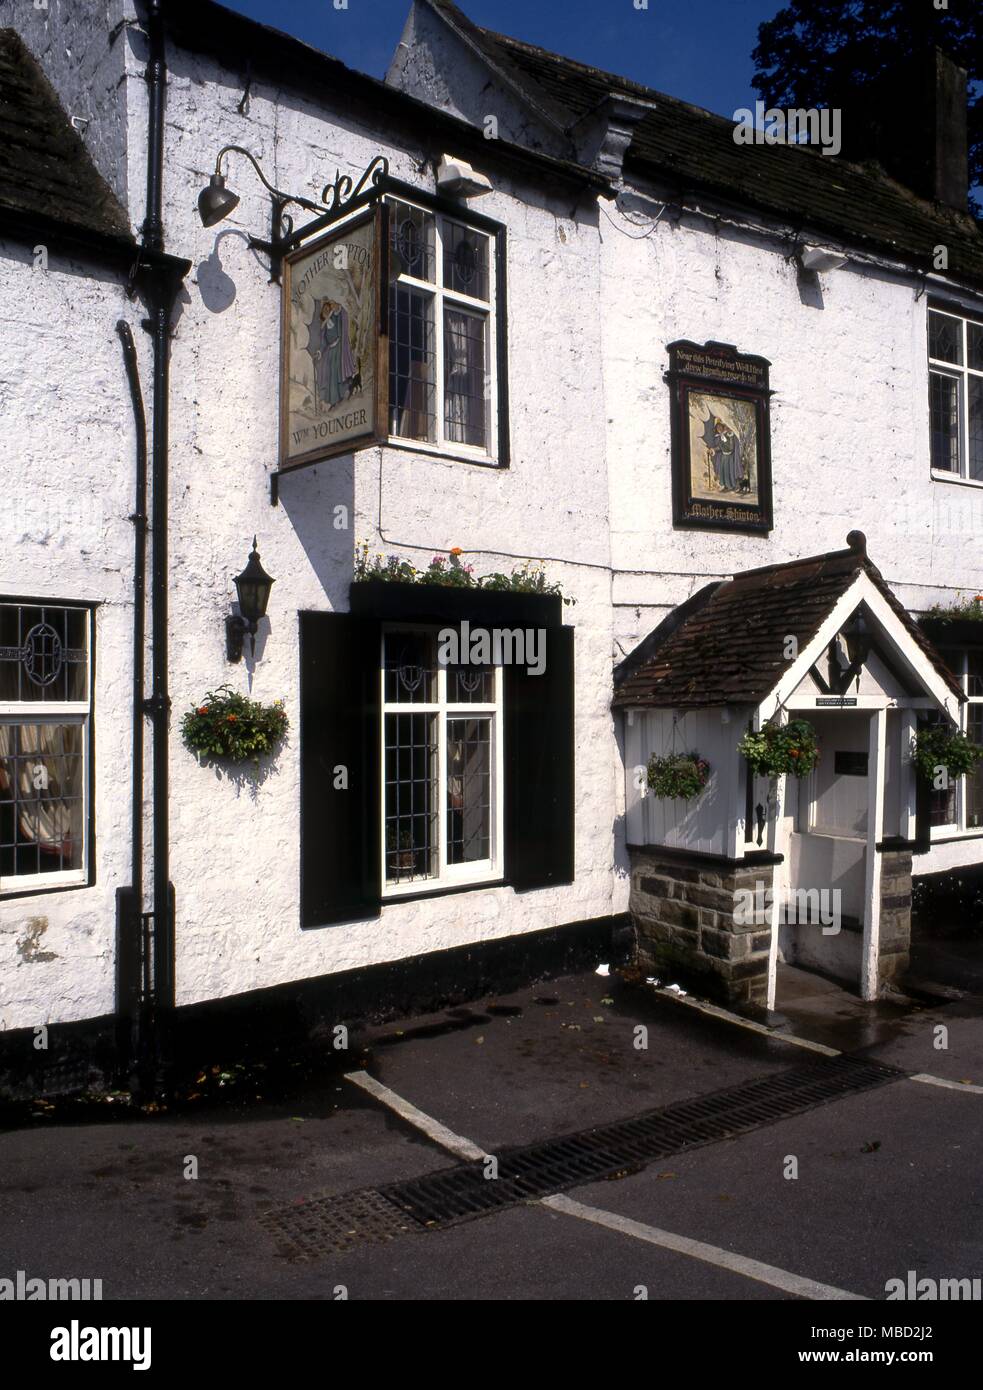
945 338
468 790
954 658
41 798
473 685
43 653
944 406
465 378
465 260
974 336
975 673
974 443
411 242
411 668
411 802
412 354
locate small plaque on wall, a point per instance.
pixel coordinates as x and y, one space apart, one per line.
721 456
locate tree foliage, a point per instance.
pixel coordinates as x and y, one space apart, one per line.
820 52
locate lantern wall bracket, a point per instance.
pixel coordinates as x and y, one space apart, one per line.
236 628
337 200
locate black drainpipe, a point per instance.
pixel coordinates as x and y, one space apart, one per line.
163 293
145 940
131 986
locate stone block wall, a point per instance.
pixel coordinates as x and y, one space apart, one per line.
691 927
895 918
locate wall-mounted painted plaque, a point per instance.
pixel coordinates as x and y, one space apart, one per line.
333 361
721 457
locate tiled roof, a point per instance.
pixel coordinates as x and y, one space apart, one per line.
727 645
45 169
692 151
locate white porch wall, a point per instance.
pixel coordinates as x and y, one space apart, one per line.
702 823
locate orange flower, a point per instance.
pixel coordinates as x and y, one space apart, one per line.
203 709
231 718
456 550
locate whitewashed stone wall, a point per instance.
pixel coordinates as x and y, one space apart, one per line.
235 854
68 492
235 840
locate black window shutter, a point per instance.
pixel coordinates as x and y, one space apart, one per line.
539 768
340 859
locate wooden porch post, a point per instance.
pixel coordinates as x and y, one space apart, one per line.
869 980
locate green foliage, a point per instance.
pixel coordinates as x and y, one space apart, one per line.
972 609
678 776
827 52
779 749
939 746
231 727
448 571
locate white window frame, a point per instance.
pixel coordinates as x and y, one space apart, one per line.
441 296
448 875
76 712
960 373
958 829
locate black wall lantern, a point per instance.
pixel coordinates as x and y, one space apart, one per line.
857 638
253 587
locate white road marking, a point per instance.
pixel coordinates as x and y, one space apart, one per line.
709 1254
949 1085
433 1129
715 1011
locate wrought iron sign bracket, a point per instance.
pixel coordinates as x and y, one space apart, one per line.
338 200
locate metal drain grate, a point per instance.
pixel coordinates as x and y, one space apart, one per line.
331 1225
539 1170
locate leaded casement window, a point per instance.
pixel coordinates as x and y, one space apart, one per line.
444 348
955 378
959 808
418 777
45 741
441 766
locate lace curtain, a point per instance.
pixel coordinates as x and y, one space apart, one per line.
40 787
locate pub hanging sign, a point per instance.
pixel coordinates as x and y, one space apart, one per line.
334 355
721 457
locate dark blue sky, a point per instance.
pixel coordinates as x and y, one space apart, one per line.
699 50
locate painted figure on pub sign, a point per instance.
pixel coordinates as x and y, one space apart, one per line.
331 345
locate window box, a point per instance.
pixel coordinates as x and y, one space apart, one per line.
952 632
377 598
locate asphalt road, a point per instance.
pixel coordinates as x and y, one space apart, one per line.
887 1181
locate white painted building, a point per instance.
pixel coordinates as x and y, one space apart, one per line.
708 241
593 257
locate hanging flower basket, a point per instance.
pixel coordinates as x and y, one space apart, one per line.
231 727
939 746
679 776
781 749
